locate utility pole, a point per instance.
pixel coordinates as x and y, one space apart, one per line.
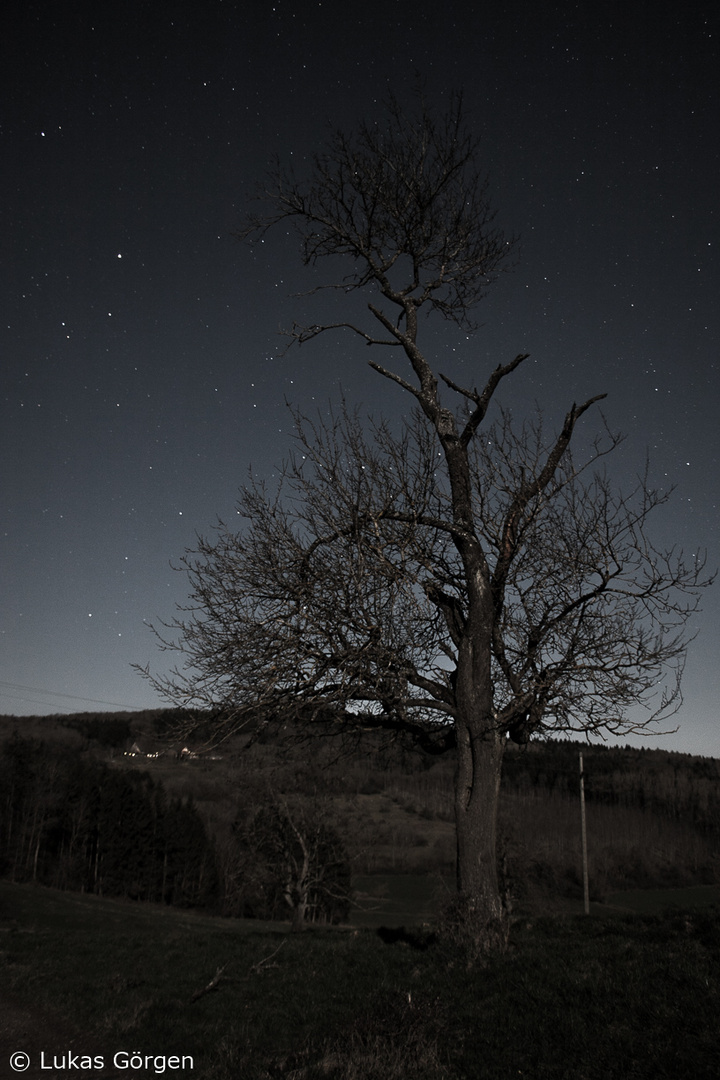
586 888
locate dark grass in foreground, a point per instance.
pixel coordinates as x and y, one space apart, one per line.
625 997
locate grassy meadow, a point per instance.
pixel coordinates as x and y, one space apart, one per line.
625 996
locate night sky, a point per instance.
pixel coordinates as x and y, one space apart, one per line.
140 356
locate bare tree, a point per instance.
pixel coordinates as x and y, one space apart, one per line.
295 857
453 581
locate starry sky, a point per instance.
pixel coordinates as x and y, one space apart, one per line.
140 361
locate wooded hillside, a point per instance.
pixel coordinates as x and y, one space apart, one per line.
88 794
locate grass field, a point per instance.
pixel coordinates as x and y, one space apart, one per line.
399 899
651 901
628 996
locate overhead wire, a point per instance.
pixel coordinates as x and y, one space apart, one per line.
60 694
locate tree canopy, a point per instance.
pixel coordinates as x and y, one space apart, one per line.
347 589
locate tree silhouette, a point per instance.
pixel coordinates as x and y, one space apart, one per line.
453 580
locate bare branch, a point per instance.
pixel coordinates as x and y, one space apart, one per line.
301 334
395 378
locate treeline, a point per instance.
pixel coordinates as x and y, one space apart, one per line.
98 730
72 822
680 787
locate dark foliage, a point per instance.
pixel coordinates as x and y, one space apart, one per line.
111 732
75 823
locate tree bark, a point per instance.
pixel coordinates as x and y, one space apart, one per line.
480 742
479 764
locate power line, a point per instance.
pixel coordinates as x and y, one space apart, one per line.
58 693
36 701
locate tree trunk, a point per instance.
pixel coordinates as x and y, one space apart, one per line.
298 917
479 765
480 748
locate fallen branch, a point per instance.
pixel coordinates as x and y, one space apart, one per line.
263 964
212 985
